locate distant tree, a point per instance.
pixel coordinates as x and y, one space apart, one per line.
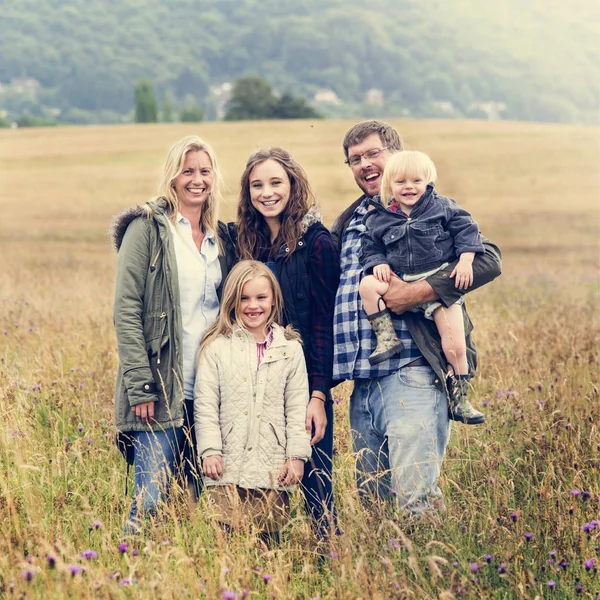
167 108
294 107
145 102
191 112
251 98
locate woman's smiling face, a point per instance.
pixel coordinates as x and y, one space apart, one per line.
269 189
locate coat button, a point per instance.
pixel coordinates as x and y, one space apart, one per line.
146 387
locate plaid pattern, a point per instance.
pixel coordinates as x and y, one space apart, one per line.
353 336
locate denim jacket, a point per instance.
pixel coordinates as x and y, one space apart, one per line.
436 232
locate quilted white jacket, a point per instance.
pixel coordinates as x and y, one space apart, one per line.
254 418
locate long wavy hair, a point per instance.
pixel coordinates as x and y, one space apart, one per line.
253 233
174 166
229 316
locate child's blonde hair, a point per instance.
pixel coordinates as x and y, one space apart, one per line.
228 319
408 163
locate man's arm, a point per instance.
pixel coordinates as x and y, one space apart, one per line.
403 296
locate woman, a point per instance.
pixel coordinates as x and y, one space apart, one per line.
172 259
278 223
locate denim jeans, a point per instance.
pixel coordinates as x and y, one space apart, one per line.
159 455
317 484
400 430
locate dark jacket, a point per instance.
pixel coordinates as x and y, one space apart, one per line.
147 316
437 231
486 267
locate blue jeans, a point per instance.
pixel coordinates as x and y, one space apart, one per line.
400 430
159 455
316 483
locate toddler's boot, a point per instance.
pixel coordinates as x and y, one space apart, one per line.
388 343
459 407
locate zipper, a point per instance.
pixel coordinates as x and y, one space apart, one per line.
153 264
162 330
410 255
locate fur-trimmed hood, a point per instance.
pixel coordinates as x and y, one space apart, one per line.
122 221
312 216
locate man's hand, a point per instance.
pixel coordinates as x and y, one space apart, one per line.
463 271
144 411
402 296
213 466
315 417
292 472
382 273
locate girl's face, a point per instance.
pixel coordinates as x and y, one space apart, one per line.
256 305
407 190
269 189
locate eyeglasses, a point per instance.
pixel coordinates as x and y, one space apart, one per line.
356 159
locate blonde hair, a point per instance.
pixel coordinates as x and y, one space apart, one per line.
409 163
174 166
229 317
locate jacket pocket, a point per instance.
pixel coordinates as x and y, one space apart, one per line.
279 435
426 242
226 431
155 332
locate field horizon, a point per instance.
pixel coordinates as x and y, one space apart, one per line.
532 469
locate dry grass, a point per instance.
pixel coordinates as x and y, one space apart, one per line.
535 190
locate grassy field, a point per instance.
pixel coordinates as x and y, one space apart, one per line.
523 492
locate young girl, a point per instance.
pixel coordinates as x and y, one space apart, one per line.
413 232
250 401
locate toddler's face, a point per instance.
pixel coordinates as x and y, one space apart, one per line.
407 190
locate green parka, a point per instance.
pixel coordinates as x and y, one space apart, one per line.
147 317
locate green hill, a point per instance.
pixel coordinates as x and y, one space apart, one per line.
534 60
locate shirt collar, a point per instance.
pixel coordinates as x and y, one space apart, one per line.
179 218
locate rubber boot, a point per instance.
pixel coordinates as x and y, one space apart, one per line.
388 343
459 407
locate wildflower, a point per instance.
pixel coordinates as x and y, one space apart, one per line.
89 440
37 387
394 492
502 568
394 544
579 588
552 553
96 525
585 495
589 564
134 552
575 493
89 554
80 428
563 564
75 570
65 439
513 516
488 558
474 567
551 584
228 595
27 575
337 400
51 560
266 578
123 547
528 536
334 555
455 565
126 581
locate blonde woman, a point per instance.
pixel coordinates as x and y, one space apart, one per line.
172 256
250 402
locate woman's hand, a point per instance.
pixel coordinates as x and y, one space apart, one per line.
315 417
144 411
213 466
292 472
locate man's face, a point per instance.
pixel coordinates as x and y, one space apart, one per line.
368 171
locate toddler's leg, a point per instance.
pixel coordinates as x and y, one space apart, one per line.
450 324
388 343
371 290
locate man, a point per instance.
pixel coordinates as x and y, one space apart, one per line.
398 409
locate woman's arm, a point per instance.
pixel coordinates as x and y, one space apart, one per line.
133 260
324 278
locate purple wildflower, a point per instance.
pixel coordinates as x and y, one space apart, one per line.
589 527
96 524
266 578
552 554
27 574
513 516
563 564
394 544
51 560
228 595
80 428
89 440
551 584
589 564
75 570
127 581
575 493
455 564
334 555
528 536
579 588
393 492
123 547
585 495
488 558
337 400
134 552
89 554
474 567
37 387
502 568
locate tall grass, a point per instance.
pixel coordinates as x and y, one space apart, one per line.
523 491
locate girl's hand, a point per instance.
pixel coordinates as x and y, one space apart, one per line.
213 466
316 420
463 271
144 411
292 472
382 273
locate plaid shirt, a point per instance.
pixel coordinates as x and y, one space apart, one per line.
353 336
